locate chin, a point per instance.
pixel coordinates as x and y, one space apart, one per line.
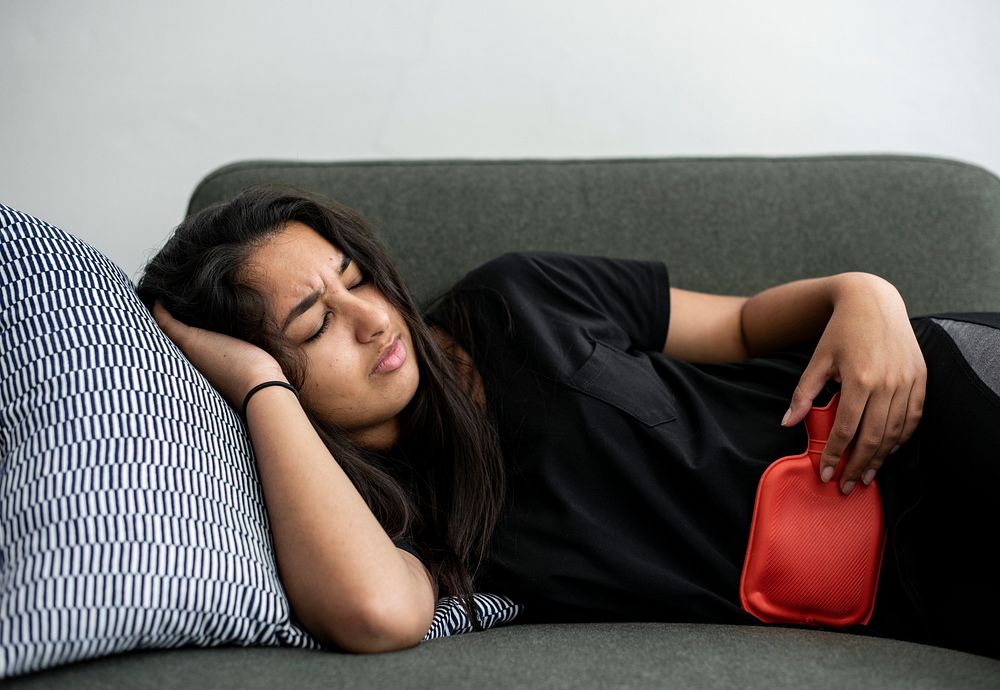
384 434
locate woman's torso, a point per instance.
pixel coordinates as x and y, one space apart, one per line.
631 475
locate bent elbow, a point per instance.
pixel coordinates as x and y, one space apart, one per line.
377 628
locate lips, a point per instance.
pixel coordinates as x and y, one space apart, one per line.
392 357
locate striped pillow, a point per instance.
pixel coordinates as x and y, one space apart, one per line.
450 617
130 511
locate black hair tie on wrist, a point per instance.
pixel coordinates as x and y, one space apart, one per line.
266 384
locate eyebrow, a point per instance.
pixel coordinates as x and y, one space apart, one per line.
311 299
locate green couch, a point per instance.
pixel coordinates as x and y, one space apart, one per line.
930 226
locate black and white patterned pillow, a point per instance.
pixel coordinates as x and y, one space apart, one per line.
130 511
450 617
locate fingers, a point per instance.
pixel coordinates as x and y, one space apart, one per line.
850 409
179 332
157 310
914 408
879 431
810 384
871 427
162 316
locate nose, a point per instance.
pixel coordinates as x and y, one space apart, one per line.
371 319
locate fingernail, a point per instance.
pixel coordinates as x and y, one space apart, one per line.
784 420
848 485
867 477
894 449
826 474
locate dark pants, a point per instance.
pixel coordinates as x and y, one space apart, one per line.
942 492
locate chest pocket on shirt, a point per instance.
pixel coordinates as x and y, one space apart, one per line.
629 383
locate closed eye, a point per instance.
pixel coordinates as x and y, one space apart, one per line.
322 328
362 279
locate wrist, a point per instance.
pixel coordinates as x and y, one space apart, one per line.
265 385
855 284
260 375
251 379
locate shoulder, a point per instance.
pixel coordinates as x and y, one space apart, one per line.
546 292
565 274
550 271
469 376
511 267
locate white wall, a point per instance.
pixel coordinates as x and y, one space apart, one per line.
112 110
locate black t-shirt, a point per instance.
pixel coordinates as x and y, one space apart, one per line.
631 475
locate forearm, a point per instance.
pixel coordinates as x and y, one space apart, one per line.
339 567
797 312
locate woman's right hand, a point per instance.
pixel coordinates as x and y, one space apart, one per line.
231 365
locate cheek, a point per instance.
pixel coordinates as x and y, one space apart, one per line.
332 376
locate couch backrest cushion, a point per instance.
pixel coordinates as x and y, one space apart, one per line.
731 226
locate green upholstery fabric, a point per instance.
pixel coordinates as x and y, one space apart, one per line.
931 226
623 655
731 226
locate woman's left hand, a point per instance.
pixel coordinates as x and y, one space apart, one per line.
869 347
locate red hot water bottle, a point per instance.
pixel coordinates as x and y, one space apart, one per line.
814 554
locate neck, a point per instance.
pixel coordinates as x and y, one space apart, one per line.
380 437
468 374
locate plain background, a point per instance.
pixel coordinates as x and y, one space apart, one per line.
112 110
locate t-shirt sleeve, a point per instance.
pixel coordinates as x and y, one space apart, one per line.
629 296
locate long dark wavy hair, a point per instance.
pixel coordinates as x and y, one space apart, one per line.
442 485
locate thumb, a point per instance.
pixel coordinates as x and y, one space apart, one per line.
810 384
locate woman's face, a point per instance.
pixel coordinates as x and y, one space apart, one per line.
360 367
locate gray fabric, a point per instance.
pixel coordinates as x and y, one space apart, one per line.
732 226
626 655
980 346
